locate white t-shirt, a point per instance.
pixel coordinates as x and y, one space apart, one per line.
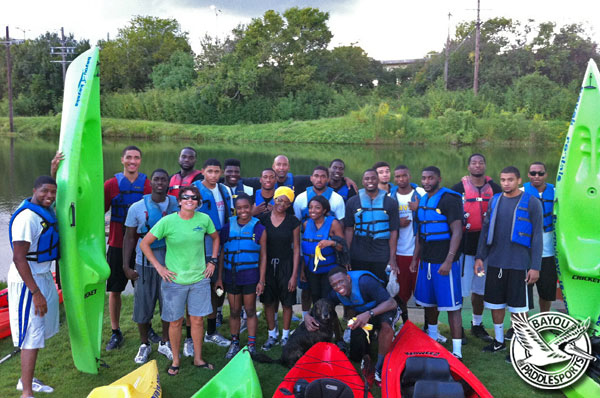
547 237
247 190
406 237
338 207
27 227
136 217
220 203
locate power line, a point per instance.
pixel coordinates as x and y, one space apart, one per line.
63 51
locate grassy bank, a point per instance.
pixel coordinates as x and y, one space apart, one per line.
55 365
368 125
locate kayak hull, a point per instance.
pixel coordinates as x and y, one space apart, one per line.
323 360
143 382
80 211
577 210
413 342
241 370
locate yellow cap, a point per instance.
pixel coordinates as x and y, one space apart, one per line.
284 191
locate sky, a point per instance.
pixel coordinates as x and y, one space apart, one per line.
385 29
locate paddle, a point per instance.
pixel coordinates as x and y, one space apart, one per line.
9 356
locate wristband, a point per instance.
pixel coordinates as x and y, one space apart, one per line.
213 260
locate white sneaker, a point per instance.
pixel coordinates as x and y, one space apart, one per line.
441 338
217 339
143 353
36 385
165 349
188 347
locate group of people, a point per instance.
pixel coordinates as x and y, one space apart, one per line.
190 239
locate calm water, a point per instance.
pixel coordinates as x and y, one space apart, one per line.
23 159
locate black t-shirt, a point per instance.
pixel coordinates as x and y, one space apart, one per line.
437 251
470 238
301 182
280 239
365 248
351 191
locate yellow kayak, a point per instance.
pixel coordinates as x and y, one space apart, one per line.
141 383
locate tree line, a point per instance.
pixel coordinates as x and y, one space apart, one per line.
280 67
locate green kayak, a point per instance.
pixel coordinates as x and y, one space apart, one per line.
80 211
238 379
577 210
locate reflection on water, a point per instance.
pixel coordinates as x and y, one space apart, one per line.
23 159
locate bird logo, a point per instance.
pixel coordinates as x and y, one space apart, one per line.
551 350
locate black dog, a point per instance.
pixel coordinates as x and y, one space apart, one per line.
302 340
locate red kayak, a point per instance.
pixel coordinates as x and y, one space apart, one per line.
327 368
419 366
4 316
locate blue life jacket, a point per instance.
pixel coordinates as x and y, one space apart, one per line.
547 203
356 300
311 238
153 214
343 191
258 198
521 224
310 193
433 225
416 196
48 244
241 251
289 181
371 220
129 193
209 205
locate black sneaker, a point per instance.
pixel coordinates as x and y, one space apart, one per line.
507 359
153 337
495 347
116 341
508 336
480 332
219 318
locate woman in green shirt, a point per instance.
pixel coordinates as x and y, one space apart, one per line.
185 274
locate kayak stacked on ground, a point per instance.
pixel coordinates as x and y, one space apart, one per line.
4 315
144 382
238 379
420 366
324 370
577 210
80 211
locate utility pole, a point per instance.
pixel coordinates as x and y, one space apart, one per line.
447 55
63 51
8 42
477 35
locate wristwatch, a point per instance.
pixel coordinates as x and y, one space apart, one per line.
213 260
371 314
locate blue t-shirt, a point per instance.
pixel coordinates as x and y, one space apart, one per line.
247 276
370 288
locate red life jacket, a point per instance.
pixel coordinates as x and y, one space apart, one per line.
178 182
475 203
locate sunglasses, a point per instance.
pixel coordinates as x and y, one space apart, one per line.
537 173
188 197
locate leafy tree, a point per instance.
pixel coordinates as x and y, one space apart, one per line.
127 61
177 72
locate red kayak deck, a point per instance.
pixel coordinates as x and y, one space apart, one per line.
323 360
412 341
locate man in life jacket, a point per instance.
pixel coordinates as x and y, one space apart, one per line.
319 179
365 295
371 228
187 174
538 187
215 204
511 244
477 190
338 182
263 198
32 295
440 217
141 217
233 181
385 175
120 192
406 194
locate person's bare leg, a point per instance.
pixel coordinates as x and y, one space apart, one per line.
270 316
251 318
545 305
306 300
455 322
144 328
477 302
28 359
175 338
287 317
165 331
114 308
235 312
198 338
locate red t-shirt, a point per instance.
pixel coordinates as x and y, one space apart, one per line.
116 229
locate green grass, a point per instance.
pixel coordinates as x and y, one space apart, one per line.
55 365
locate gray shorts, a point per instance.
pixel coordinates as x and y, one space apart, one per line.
146 294
176 296
470 282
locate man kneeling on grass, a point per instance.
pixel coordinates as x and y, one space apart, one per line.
365 294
